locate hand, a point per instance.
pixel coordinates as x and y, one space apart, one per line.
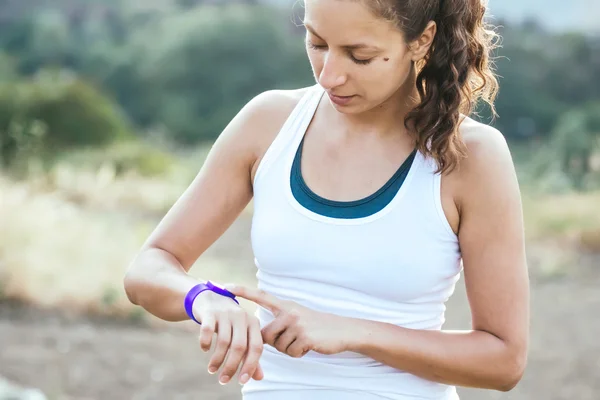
237 333
297 330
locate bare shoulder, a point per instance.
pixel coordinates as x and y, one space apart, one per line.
488 162
269 111
289 97
485 144
276 103
250 133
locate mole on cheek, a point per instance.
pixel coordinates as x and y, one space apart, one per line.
386 59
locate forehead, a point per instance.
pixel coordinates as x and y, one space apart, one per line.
345 20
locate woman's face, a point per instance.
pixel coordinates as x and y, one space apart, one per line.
354 53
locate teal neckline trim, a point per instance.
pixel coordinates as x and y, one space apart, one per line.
346 209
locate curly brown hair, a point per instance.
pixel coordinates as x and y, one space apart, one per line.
455 75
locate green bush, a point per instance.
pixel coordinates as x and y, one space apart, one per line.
575 140
8 68
125 157
146 161
205 64
53 112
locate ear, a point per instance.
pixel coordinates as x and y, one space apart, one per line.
420 46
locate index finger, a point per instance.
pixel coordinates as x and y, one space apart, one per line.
258 296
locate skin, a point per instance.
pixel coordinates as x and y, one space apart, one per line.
366 140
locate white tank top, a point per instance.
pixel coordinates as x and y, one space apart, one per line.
398 265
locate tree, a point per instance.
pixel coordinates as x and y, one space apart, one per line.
54 112
575 141
204 65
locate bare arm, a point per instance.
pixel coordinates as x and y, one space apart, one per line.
157 278
493 354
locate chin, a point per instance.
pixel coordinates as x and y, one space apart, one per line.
347 110
354 109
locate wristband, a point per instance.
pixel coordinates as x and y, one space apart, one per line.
196 290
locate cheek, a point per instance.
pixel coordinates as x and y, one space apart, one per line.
393 72
316 62
383 73
385 78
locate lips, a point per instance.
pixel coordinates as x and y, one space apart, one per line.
340 100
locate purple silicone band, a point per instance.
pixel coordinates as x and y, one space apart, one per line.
196 290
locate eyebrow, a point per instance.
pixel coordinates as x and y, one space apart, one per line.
356 46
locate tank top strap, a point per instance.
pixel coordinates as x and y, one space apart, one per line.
293 129
313 98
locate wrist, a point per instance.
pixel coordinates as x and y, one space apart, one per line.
202 301
203 296
197 294
359 334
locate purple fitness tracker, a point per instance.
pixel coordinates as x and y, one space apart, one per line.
196 290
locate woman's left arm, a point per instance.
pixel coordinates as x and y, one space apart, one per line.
493 354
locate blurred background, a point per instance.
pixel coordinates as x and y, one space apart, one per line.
107 110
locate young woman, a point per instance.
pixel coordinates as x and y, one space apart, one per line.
373 191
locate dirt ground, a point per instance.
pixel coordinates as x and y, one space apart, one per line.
76 357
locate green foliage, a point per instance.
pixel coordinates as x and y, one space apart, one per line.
186 67
137 315
110 297
53 112
206 64
144 160
133 156
575 141
542 76
8 68
564 162
189 66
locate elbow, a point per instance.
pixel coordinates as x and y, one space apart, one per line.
140 275
132 283
509 383
512 373
130 286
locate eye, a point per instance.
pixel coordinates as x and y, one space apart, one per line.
361 62
315 46
323 47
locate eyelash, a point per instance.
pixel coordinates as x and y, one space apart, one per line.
355 60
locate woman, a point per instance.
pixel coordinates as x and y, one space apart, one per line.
372 192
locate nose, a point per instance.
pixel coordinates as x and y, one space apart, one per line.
332 74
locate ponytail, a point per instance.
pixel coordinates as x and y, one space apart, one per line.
454 76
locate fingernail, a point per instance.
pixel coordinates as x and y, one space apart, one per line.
224 380
212 370
244 379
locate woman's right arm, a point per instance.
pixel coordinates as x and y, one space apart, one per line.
158 280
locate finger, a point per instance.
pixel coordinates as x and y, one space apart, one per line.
258 296
254 351
237 349
207 331
258 374
297 349
284 340
274 329
223 342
